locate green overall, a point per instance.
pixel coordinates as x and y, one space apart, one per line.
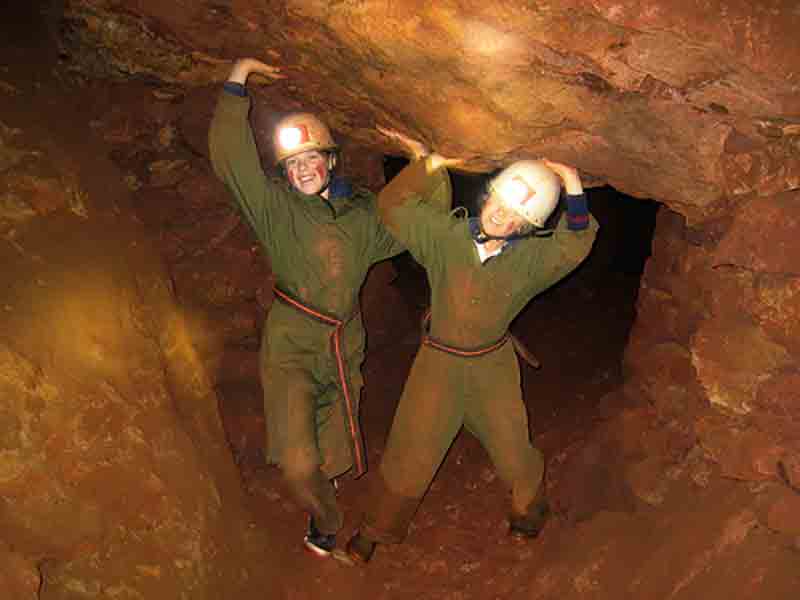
320 252
472 306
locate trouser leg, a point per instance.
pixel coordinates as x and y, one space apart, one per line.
389 515
333 433
290 412
427 420
496 415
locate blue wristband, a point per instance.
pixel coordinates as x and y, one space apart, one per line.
235 88
577 212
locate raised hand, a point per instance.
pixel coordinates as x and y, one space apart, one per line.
244 67
414 147
569 175
418 150
437 160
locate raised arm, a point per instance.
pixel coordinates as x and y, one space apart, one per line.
232 148
432 186
419 198
574 236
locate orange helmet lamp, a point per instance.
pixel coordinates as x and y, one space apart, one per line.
298 133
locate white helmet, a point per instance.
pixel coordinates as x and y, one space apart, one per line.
299 132
529 188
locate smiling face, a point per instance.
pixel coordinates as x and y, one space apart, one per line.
499 220
308 172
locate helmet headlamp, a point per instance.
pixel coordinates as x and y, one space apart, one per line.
291 137
300 132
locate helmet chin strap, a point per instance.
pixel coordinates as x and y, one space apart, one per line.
325 186
484 237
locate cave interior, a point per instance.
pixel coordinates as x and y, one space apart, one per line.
134 296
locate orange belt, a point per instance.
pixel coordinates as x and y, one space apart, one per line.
431 341
520 348
360 463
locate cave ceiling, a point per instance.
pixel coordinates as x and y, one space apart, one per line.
694 103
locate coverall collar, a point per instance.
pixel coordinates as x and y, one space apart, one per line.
339 188
340 196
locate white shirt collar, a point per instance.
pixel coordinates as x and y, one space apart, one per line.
484 254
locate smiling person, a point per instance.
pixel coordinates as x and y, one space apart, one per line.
321 237
482 272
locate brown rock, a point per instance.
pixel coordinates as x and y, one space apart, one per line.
790 467
731 359
741 454
765 236
779 396
614 87
665 374
19 577
784 514
777 308
648 480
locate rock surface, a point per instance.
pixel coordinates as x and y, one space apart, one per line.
694 103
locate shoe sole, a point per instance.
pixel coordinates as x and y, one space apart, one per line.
315 550
344 558
522 534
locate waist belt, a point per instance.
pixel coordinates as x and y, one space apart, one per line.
359 458
522 351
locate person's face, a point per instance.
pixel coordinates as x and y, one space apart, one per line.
499 220
308 171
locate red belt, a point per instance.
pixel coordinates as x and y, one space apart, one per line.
360 463
520 348
431 341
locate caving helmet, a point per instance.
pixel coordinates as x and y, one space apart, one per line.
300 132
529 188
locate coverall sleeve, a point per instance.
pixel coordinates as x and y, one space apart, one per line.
562 252
415 206
385 245
235 160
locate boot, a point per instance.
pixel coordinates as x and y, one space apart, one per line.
529 526
360 548
318 543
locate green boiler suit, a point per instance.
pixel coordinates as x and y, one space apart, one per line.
472 306
320 251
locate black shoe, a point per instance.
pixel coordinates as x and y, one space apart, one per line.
360 549
320 544
530 525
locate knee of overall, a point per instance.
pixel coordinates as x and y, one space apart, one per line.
299 464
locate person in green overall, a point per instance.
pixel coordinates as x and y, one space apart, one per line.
482 272
321 238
